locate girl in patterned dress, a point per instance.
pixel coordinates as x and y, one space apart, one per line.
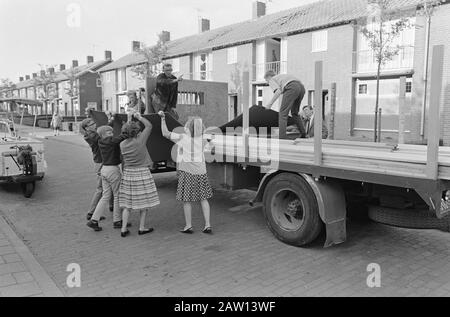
137 189
193 183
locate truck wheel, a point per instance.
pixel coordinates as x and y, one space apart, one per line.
28 189
291 210
408 218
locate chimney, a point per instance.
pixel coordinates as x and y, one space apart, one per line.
34 75
90 59
62 67
203 25
259 9
135 46
74 63
108 55
42 73
165 36
51 70
27 77
20 78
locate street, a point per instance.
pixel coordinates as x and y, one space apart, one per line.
242 258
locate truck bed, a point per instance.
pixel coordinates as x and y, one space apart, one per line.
384 159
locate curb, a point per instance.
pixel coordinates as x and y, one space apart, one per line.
46 284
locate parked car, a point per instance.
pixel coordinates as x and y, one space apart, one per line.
21 159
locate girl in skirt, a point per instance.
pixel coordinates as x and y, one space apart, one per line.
137 190
193 184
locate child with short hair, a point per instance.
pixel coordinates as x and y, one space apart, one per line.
193 183
111 176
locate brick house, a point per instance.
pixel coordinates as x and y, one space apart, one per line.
71 90
291 41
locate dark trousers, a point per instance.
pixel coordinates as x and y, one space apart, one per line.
292 99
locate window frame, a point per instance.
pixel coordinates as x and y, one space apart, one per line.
232 55
315 37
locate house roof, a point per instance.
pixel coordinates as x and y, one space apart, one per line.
316 15
65 74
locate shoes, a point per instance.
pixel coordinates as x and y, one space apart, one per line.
187 231
125 234
94 225
111 208
141 233
89 217
207 230
118 225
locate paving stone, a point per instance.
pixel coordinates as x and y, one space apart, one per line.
23 277
11 268
6 280
20 290
11 258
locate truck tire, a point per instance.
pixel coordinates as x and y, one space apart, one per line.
291 210
408 218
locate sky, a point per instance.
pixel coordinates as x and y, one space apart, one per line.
51 32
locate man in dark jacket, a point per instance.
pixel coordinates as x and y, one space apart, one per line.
166 92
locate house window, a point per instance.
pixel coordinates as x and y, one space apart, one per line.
107 77
319 41
203 66
232 55
122 101
260 98
121 80
408 87
362 89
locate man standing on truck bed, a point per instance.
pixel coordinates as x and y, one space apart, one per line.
293 92
167 90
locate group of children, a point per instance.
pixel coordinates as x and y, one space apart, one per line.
123 169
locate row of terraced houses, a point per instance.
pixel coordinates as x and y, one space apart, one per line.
292 41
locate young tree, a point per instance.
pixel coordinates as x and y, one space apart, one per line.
381 31
72 86
6 87
152 57
46 80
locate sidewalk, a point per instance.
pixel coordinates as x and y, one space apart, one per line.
20 274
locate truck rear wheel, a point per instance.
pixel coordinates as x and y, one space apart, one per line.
291 210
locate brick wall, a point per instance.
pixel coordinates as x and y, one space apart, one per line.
337 67
214 110
89 92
